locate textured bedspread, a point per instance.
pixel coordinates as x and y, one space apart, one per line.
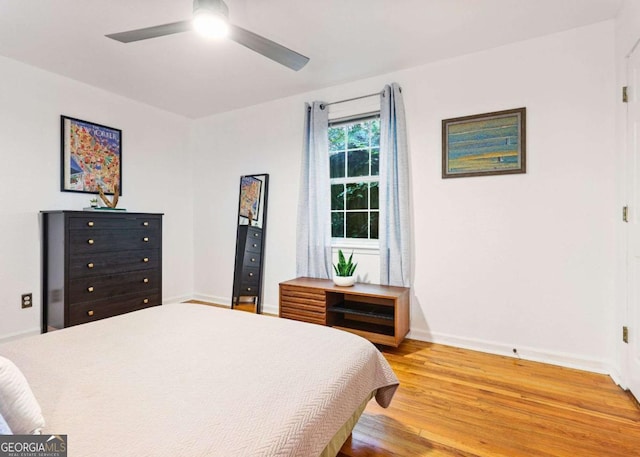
192 380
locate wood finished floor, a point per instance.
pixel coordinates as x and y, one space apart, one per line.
456 402
248 307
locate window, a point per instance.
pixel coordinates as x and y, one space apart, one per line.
354 159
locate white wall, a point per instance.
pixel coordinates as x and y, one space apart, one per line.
524 261
156 178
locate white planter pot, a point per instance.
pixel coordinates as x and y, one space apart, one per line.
344 281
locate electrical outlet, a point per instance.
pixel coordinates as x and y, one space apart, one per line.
27 300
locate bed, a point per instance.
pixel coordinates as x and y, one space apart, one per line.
194 380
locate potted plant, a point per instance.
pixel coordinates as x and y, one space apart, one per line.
94 202
344 270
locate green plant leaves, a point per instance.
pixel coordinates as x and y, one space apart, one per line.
344 267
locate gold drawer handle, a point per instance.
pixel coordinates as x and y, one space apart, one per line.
90 265
90 223
250 274
145 223
145 239
90 289
90 241
145 280
253 259
255 245
90 313
255 234
248 289
145 301
145 260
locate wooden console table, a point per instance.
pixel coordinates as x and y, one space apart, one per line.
377 313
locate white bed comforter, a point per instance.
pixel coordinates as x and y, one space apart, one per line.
191 380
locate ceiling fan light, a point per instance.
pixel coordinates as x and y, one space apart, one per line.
210 25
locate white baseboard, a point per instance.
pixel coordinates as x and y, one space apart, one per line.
223 301
267 308
617 377
526 353
179 299
17 336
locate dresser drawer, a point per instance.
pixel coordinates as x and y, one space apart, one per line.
248 290
249 275
254 233
253 245
97 287
303 298
119 222
304 316
303 304
89 241
86 312
251 259
102 263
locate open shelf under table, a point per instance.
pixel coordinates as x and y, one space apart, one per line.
363 309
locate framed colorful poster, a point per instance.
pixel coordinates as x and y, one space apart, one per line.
484 144
250 189
91 157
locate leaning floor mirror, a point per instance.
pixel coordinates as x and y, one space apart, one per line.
250 243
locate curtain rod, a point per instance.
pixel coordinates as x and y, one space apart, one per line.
324 105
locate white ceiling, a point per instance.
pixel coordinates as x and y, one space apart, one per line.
345 39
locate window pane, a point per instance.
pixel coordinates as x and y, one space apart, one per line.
336 138
337 196
357 195
374 225
358 136
375 162
374 196
354 155
337 224
375 133
336 165
357 225
358 164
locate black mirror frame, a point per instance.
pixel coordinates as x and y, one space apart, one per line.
241 246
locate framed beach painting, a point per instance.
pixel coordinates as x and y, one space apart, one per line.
484 144
91 157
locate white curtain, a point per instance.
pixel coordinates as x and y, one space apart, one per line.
395 219
313 242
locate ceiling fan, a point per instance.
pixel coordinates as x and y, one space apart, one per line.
211 18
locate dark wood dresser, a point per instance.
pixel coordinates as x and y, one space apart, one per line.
99 264
248 272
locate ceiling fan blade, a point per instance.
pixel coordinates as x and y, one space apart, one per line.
268 48
151 32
